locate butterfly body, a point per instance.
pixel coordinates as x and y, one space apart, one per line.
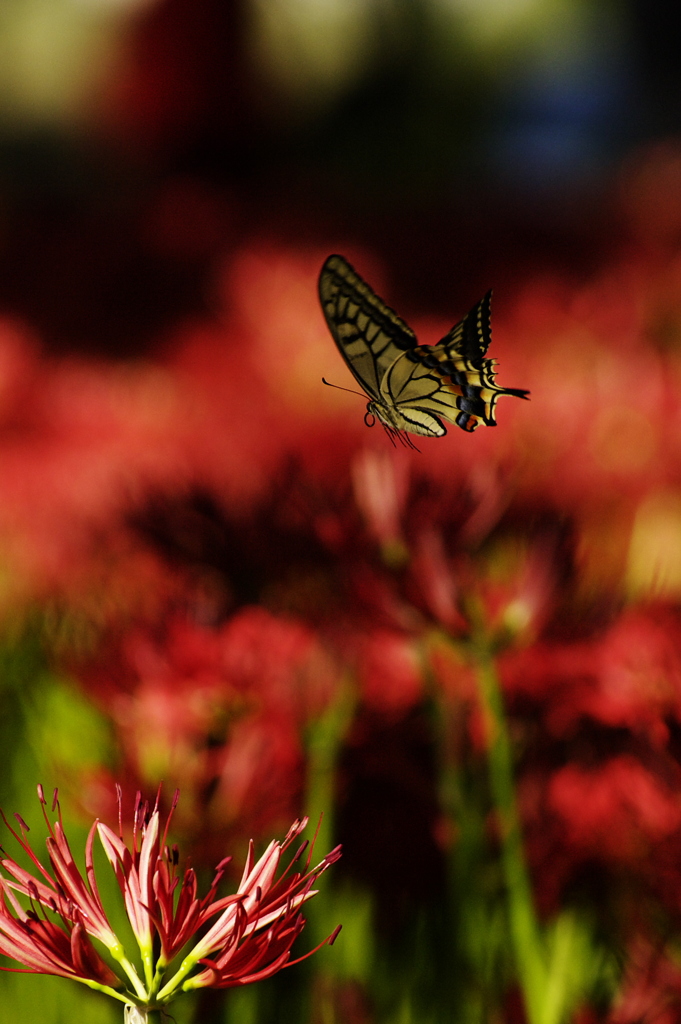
411 387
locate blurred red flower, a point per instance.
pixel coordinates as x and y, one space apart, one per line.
651 988
617 811
222 710
390 675
628 677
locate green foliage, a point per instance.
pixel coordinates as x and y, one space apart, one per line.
48 731
32 999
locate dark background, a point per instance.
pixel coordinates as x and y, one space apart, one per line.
467 144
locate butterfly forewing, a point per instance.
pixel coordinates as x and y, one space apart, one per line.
369 334
470 338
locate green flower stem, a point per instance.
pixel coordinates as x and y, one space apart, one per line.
474 944
324 741
96 987
525 932
187 965
147 954
159 974
129 968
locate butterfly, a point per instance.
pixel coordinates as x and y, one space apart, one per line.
411 387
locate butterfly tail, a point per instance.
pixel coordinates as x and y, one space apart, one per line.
516 392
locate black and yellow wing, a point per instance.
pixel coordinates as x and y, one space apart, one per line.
467 394
411 387
369 334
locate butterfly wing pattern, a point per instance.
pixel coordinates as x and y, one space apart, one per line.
411 387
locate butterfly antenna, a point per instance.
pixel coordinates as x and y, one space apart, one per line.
339 388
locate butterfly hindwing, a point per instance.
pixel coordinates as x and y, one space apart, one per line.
414 391
421 395
369 334
467 377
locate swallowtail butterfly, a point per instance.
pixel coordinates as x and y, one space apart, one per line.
411 387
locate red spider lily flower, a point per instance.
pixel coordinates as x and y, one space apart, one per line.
246 936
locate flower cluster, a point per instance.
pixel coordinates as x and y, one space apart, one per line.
237 939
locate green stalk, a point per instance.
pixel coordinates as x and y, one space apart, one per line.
324 741
525 932
129 968
475 945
